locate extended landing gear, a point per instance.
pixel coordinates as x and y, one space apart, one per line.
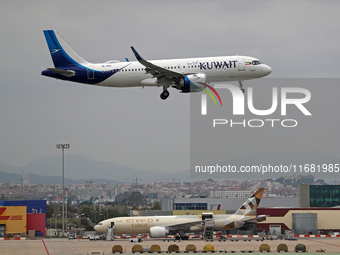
165 94
240 83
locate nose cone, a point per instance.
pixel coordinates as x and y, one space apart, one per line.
266 70
96 227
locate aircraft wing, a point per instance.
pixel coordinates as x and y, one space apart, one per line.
240 222
186 225
157 71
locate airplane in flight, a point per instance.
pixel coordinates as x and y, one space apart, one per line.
160 226
186 74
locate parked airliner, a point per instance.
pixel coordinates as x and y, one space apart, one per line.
186 74
160 226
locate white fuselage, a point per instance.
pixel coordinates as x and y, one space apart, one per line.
141 225
215 69
187 74
160 226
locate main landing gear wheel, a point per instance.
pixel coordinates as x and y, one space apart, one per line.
165 94
240 83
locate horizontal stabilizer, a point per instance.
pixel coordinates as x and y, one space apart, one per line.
66 73
259 218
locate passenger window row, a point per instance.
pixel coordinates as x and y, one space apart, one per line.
143 69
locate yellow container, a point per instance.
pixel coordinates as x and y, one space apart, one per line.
173 248
137 248
190 247
155 248
117 248
282 247
264 247
209 247
300 247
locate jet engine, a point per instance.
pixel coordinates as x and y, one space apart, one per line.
158 232
191 83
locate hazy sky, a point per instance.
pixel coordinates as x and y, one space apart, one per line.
133 126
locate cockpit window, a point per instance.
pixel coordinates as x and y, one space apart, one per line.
100 223
256 62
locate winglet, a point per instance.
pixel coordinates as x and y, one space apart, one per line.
139 57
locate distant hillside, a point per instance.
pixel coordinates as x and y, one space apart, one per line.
6 176
39 179
78 169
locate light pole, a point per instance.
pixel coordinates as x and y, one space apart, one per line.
80 216
62 147
80 231
56 217
66 212
107 212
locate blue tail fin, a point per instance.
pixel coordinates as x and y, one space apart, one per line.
62 54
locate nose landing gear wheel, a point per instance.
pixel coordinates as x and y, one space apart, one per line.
165 94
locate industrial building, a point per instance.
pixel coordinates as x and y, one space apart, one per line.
319 195
17 217
231 193
226 203
312 220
